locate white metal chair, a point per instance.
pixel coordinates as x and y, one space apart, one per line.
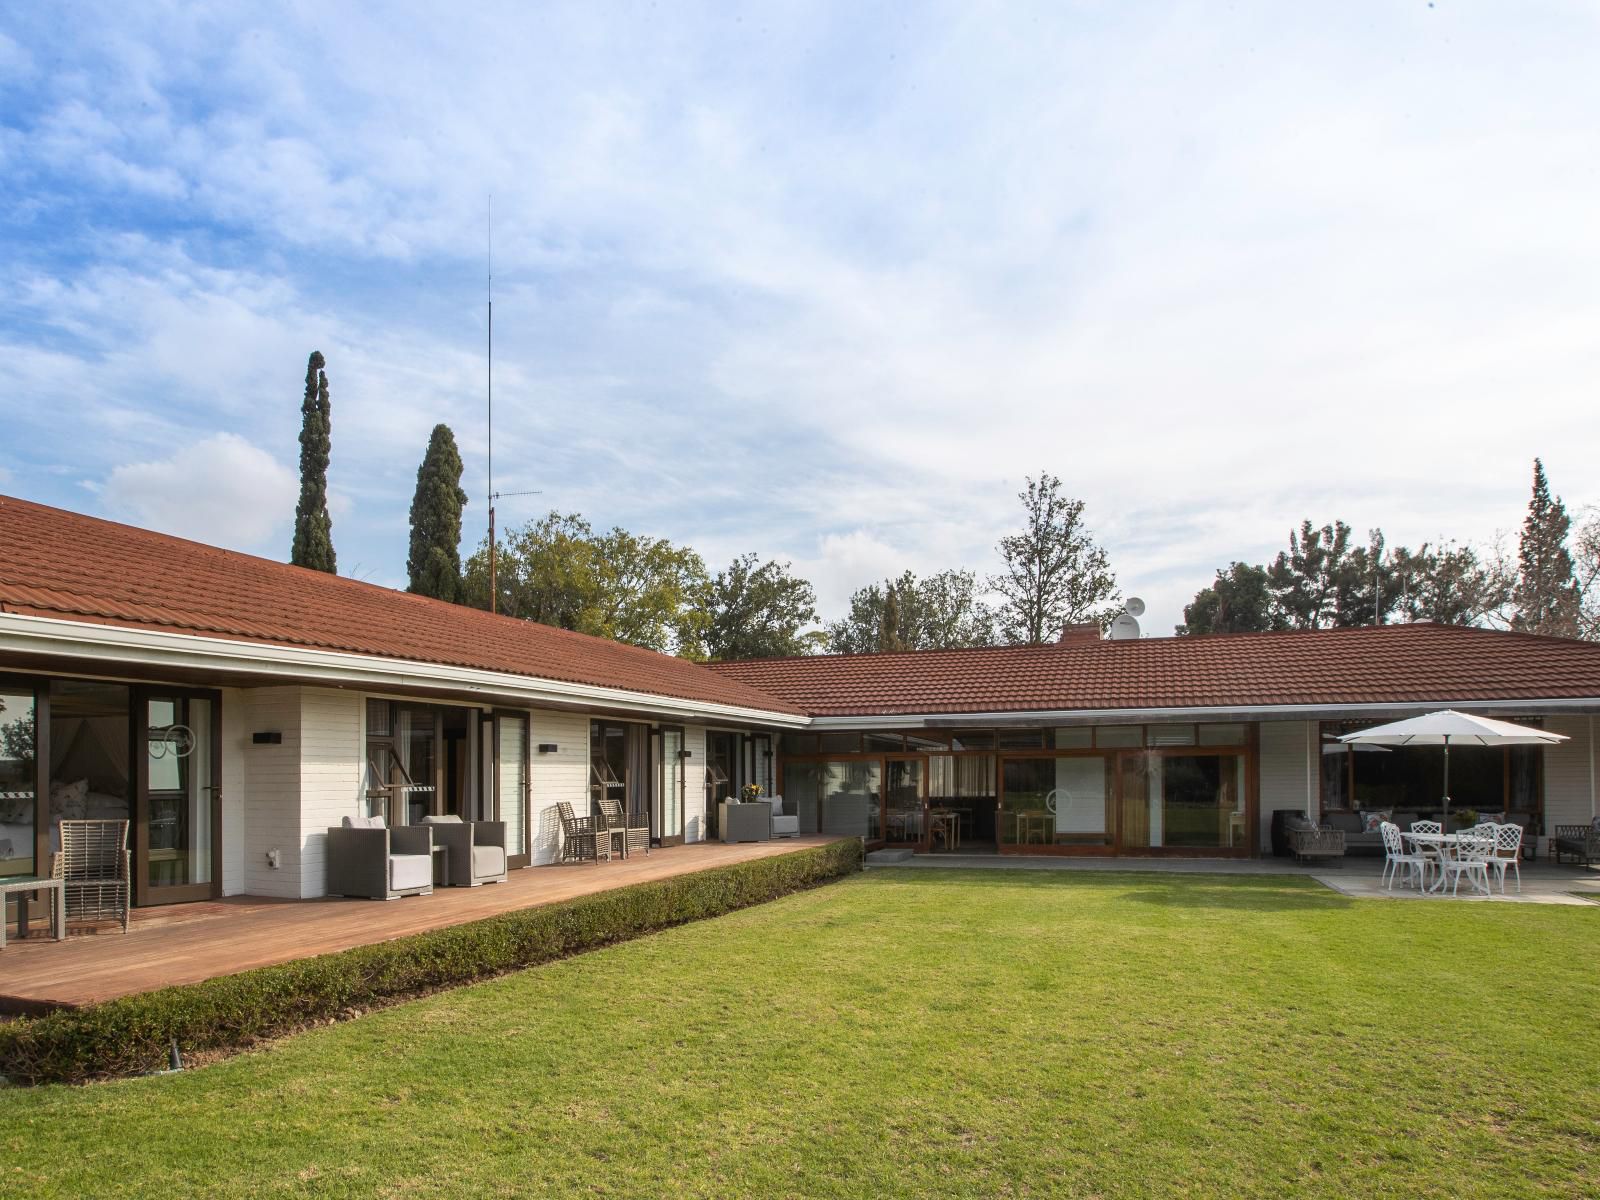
1507 852
1426 827
1469 857
1415 863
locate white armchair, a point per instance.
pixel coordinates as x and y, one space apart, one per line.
783 826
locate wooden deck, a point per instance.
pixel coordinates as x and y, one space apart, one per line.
186 943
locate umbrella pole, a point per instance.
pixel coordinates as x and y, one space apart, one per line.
1444 819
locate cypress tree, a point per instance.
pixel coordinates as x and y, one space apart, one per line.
889 628
1546 594
434 564
313 528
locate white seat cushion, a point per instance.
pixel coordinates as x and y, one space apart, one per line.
785 826
408 871
488 860
444 820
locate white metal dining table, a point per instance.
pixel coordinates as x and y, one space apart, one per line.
1435 843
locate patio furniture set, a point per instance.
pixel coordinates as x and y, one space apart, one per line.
1425 850
90 878
370 859
605 832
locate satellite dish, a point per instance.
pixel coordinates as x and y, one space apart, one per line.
1134 606
1124 628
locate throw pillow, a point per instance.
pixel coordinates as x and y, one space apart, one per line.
1372 821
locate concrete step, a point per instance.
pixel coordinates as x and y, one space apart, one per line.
879 857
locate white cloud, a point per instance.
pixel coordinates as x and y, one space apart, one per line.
220 490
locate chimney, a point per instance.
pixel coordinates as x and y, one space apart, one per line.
1079 634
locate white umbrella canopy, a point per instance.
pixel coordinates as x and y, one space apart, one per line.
1450 728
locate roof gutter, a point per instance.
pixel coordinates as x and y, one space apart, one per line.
114 645
1045 718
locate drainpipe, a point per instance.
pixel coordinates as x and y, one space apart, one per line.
1592 813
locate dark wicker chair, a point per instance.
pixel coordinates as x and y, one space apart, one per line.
579 842
1308 841
616 820
1582 842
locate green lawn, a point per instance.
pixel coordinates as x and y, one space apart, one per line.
911 1033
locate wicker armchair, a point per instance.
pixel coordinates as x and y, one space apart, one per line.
1308 841
617 818
95 870
579 842
1580 841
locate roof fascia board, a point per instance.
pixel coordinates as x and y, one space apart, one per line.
1134 716
87 642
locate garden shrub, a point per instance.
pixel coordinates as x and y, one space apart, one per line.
132 1035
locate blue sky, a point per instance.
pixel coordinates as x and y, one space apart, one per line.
823 283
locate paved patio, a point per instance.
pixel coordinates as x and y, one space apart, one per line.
185 943
1356 875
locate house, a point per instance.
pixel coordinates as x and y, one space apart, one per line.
234 708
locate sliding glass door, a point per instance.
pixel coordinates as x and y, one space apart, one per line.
511 785
176 832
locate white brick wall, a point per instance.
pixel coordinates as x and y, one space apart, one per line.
694 784
563 775
235 758
1289 772
331 756
271 793
1569 773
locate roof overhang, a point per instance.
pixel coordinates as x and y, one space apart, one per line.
1038 719
105 647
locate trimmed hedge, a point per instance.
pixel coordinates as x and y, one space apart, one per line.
132 1035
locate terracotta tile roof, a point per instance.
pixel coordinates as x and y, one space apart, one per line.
1389 664
60 564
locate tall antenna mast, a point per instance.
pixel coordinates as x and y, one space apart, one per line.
493 594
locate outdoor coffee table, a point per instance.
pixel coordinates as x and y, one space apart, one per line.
33 883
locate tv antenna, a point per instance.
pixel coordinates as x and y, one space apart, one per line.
494 595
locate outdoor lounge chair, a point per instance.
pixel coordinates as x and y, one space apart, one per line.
367 858
95 870
1308 841
635 836
580 840
1580 841
474 851
783 826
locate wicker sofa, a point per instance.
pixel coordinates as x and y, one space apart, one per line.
1308 840
1582 842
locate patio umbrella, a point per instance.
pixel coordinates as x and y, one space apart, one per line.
1450 728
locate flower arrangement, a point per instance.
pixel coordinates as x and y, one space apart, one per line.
750 793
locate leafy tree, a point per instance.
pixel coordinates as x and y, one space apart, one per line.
1238 601
1586 569
760 612
434 564
313 528
941 612
1547 599
558 571
1323 582
1451 585
1055 573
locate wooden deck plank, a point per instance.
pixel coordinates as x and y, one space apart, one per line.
191 942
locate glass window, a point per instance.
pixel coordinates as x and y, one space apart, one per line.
178 775
802 792
1057 802
1197 801
797 743
1080 737
1119 736
851 798
891 743
1020 739
1169 735
1234 734
928 741
90 775
840 743
973 739
19 783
